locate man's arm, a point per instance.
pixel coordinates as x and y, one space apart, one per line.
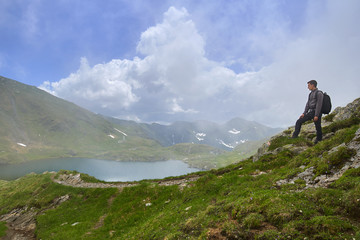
307 106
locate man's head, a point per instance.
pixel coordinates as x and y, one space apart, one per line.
312 84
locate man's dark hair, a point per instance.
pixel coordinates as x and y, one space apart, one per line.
313 82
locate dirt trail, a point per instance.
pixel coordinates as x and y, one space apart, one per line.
74 180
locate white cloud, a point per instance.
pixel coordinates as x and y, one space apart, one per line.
174 79
176 108
105 87
173 70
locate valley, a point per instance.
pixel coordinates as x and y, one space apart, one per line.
37 125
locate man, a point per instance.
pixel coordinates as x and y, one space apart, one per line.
312 111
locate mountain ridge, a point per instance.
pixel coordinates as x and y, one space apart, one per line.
224 136
38 125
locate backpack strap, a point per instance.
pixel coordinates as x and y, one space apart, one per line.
316 93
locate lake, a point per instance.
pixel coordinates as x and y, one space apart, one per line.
105 170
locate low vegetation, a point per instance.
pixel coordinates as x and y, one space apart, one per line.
239 201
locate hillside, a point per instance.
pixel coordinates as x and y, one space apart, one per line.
291 189
38 125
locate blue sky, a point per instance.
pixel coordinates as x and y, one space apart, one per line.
170 60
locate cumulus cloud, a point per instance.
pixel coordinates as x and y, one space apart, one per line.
102 87
173 79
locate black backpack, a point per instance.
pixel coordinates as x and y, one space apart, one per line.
326 106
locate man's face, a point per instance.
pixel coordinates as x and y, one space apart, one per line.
311 86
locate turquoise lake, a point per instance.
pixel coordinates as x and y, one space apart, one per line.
106 170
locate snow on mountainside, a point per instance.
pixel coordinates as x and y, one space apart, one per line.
200 136
224 136
234 131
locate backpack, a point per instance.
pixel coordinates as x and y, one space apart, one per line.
326 105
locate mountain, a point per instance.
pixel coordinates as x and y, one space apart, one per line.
38 125
291 189
224 136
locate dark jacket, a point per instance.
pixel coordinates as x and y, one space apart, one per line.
314 102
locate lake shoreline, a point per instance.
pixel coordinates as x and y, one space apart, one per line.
102 169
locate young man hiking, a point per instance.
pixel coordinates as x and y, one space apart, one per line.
312 111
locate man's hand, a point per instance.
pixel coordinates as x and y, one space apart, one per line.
316 118
302 115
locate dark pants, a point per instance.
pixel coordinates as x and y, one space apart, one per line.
309 116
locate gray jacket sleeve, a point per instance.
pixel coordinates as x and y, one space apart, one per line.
307 107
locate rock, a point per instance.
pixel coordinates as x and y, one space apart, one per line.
21 221
188 208
262 150
325 180
342 113
59 200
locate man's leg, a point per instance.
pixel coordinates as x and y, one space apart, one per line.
300 121
318 130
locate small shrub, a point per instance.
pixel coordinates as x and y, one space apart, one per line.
340 156
253 220
352 201
330 117
288 132
282 141
301 183
90 179
334 160
269 234
354 172
280 210
349 180
327 226
353 120
232 230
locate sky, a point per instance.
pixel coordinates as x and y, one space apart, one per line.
184 60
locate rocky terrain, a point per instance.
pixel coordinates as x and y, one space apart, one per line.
308 131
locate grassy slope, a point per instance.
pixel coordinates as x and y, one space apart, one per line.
53 128
236 202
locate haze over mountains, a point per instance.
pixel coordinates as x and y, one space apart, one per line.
37 125
224 136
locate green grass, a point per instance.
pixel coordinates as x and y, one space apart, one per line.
239 201
282 141
3 229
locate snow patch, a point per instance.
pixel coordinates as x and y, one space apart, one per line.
21 144
234 131
226 145
120 132
200 136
